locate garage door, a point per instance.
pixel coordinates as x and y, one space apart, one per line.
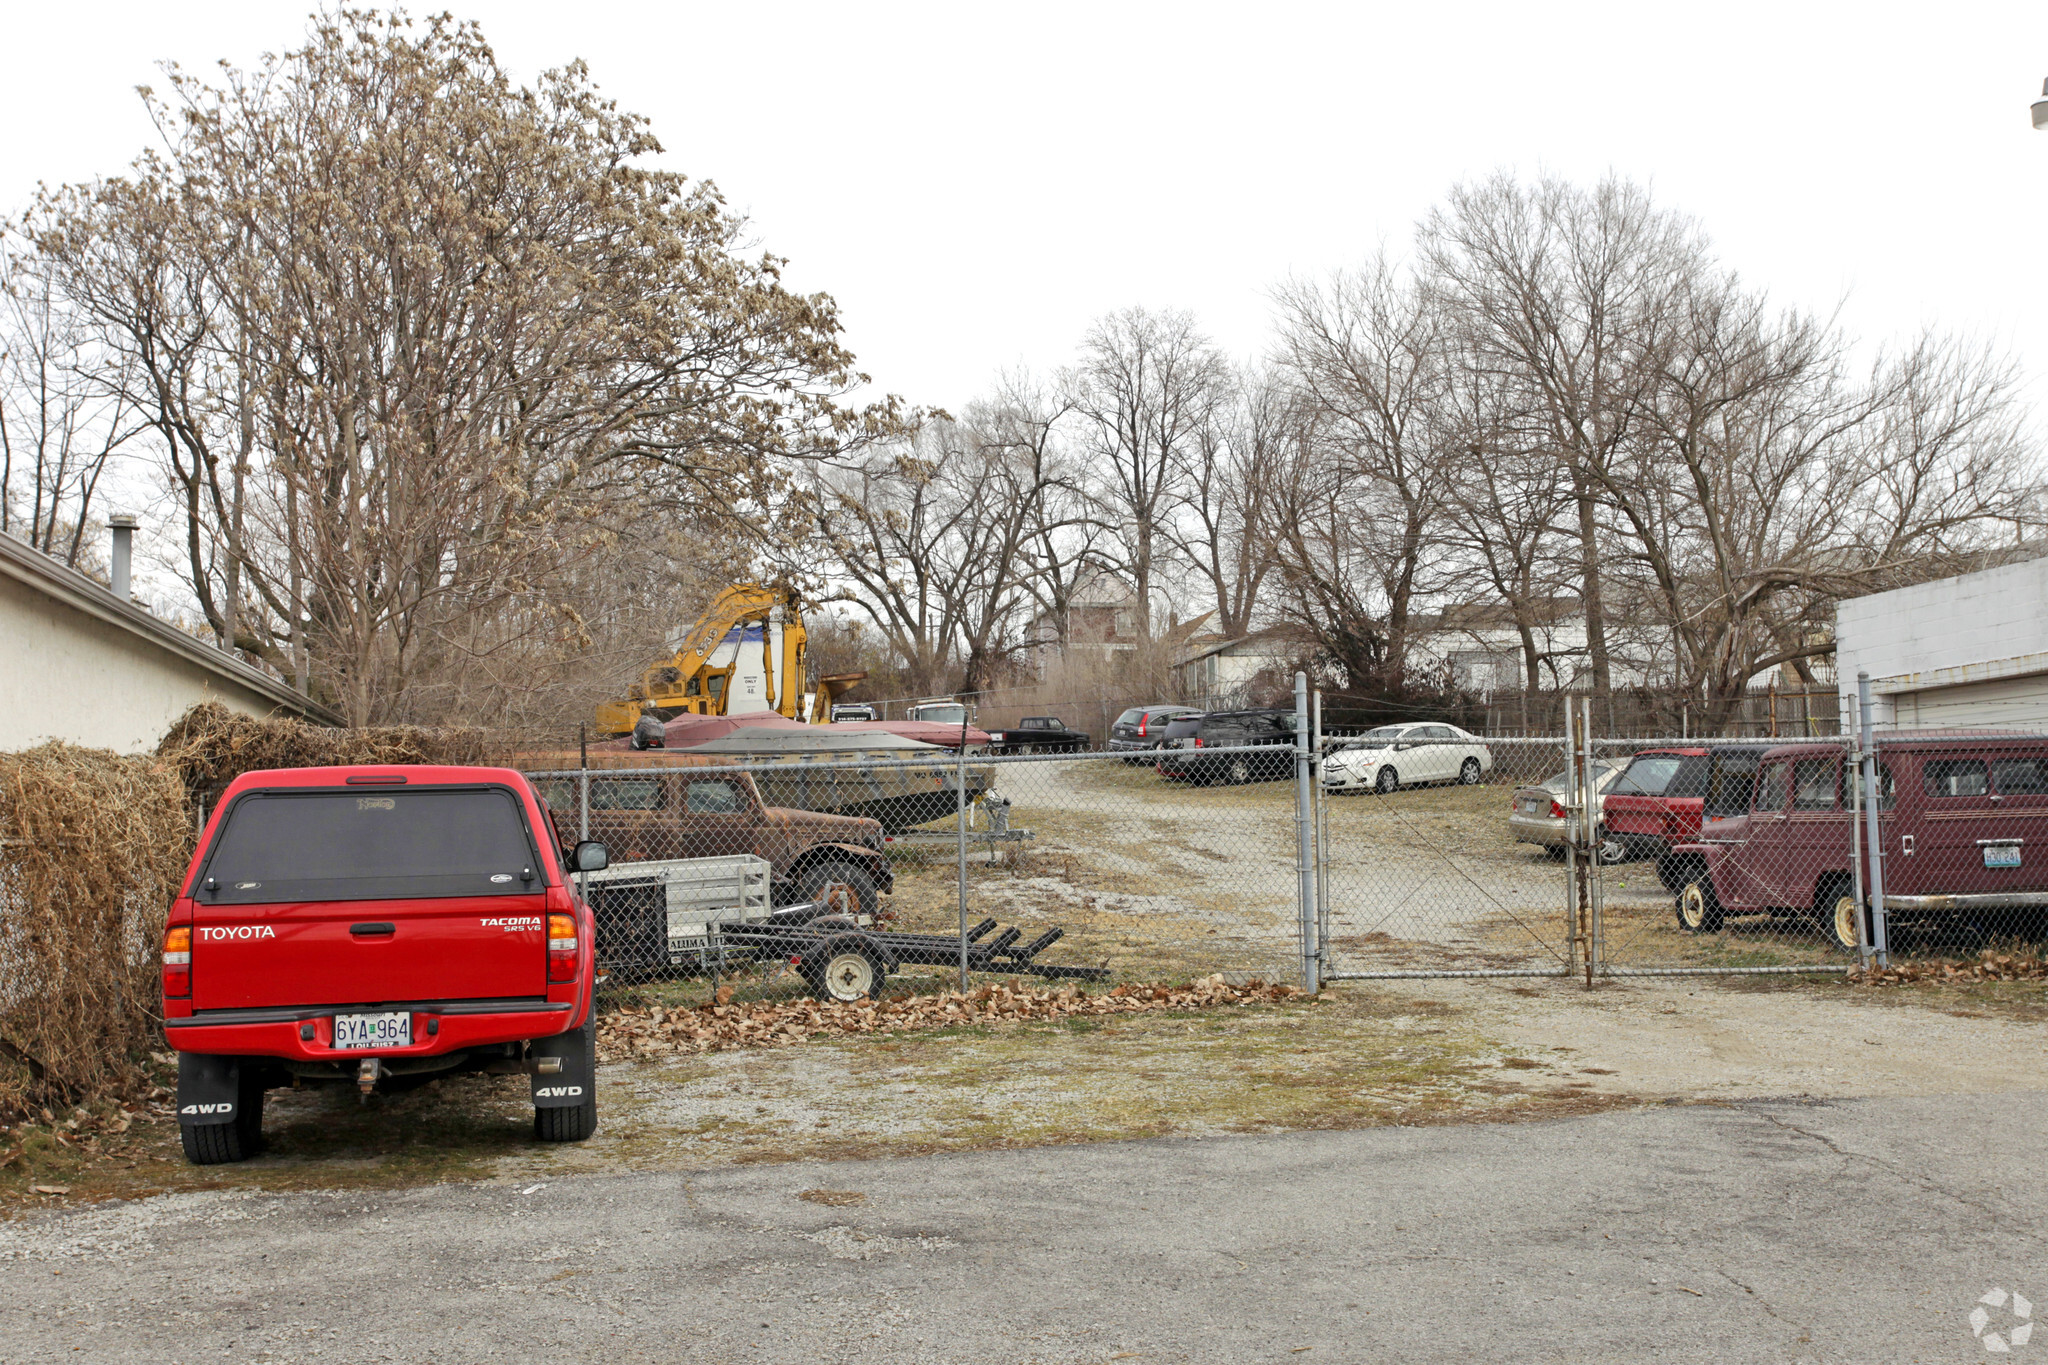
2008 703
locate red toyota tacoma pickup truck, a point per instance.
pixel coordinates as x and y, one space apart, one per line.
378 927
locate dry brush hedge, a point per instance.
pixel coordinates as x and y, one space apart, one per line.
632 1032
210 746
92 845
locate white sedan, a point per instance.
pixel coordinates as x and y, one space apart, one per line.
1396 756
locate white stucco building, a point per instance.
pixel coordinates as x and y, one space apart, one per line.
79 663
1966 651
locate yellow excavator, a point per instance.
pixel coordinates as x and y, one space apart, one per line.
744 654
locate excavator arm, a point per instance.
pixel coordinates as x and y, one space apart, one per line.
687 681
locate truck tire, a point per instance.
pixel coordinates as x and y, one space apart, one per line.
575 1122
843 970
1699 909
836 881
218 1144
1840 920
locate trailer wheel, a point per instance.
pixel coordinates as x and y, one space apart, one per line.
843 888
843 970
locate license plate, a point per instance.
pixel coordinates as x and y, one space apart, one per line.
2001 855
373 1030
1528 807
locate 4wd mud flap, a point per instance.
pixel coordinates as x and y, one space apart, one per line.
209 1088
574 1080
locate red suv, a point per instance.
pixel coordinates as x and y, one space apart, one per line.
1655 803
1956 810
378 927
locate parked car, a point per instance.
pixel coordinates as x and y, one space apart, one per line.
1396 756
1536 815
1955 810
1193 758
1038 734
378 927
1142 729
853 711
1656 801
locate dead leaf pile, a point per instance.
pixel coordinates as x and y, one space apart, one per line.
1990 967
644 1032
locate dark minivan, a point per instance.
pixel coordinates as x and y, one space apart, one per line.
1192 760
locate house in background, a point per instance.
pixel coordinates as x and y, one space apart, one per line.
1102 621
1969 651
87 665
1217 674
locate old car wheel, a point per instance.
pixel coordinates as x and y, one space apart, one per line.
844 971
1240 772
1387 783
1613 848
1469 774
1843 922
1699 910
841 887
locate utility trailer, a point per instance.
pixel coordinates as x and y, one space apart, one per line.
709 916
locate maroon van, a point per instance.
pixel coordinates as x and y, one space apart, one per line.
1956 811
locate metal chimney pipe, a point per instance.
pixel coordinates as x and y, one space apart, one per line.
123 526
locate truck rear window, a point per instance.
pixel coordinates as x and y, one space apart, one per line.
352 844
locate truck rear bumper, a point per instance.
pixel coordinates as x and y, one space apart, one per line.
1988 900
306 1033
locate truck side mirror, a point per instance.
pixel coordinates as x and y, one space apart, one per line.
590 856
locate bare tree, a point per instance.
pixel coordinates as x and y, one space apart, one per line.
1367 351
415 342
1555 288
1222 526
1147 388
62 416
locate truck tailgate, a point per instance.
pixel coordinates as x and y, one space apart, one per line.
366 952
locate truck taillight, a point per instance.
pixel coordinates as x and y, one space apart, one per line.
561 947
178 961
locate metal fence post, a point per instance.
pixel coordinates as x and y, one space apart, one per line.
583 801
1322 832
1304 868
1854 782
960 805
1596 877
1575 944
1880 938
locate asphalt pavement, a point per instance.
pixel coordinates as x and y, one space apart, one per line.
1781 1231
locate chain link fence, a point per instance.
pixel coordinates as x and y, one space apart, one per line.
1401 851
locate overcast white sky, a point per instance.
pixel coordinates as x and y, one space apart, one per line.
975 184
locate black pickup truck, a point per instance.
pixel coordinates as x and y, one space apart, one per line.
1037 735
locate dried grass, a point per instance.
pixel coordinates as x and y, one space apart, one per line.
92 845
210 746
1990 966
